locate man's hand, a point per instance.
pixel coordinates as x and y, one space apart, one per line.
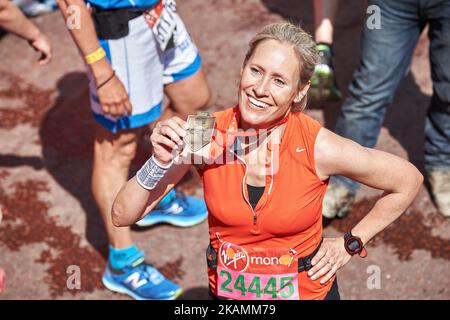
113 97
41 44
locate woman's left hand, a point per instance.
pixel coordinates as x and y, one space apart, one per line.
330 258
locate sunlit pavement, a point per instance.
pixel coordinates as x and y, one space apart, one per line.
51 227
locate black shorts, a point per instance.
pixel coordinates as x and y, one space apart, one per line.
333 294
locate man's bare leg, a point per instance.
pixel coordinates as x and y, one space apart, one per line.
323 83
126 271
324 16
189 95
113 154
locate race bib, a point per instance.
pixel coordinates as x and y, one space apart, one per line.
162 21
256 273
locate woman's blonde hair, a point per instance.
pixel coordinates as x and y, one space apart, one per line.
304 47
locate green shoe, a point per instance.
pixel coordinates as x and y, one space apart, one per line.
323 83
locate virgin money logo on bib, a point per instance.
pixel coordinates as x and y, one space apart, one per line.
233 257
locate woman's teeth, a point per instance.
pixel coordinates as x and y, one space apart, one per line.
258 104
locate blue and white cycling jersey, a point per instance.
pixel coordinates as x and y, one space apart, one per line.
116 4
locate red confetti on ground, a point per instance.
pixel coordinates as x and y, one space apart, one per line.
37 227
73 141
405 235
172 270
36 102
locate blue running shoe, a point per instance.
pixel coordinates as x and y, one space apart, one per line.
180 211
140 281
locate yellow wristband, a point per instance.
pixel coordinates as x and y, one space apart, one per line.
95 56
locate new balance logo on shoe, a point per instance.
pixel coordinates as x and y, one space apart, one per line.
135 281
175 209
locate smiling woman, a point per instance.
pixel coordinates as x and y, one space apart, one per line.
298 43
265 201
269 84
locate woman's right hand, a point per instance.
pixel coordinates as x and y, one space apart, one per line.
167 139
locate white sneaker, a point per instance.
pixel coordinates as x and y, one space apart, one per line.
338 201
33 8
440 190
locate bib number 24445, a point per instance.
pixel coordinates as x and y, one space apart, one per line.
242 285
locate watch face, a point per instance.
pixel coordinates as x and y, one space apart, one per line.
354 245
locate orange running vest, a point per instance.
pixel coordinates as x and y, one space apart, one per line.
289 213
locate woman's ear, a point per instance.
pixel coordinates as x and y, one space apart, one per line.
298 97
302 92
241 71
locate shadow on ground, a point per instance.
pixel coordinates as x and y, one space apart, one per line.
67 135
197 293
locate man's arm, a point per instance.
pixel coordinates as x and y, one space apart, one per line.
113 96
14 21
85 37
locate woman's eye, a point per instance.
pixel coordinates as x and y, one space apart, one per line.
279 82
255 71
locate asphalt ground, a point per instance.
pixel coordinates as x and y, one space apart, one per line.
51 222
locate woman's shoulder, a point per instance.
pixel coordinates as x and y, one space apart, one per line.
307 123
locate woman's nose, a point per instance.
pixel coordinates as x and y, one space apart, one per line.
262 87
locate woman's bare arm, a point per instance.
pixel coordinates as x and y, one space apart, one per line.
133 201
398 178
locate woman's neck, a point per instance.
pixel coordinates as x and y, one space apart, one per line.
258 142
246 126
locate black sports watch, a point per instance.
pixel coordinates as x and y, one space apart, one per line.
353 245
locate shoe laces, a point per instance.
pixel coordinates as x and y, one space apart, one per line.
152 276
182 198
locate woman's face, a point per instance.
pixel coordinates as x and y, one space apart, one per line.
269 84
